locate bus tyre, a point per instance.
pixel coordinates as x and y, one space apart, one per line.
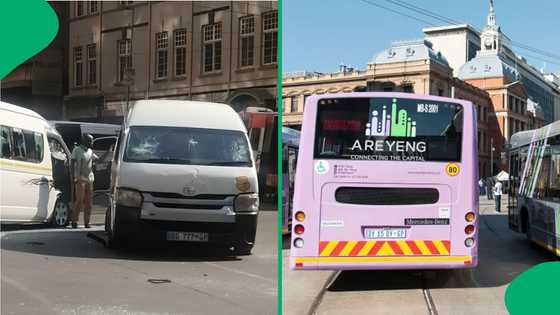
61 213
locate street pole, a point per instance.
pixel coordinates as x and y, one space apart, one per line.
491 156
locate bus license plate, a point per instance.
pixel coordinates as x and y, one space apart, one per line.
187 236
384 233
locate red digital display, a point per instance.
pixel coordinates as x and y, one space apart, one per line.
342 124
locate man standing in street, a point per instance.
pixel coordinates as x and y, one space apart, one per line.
82 163
498 195
489 188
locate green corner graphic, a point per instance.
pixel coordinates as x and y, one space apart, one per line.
27 28
535 291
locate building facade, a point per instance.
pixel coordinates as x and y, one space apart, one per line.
406 66
459 43
40 83
497 61
122 51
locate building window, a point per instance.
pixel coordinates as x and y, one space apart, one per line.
125 58
440 92
78 66
162 44
79 8
247 40
92 7
180 37
407 88
270 35
212 45
91 64
294 104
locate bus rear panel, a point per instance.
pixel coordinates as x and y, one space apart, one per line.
386 181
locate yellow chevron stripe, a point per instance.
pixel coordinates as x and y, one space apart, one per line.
370 259
440 247
404 247
329 248
348 248
422 247
385 250
367 247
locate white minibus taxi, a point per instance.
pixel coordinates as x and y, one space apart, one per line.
29 150
183 171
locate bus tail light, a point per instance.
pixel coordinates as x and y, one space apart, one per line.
469 229
470 216
300 216
469 242
299 229
298 243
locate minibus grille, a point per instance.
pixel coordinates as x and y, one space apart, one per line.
179 196
386 195
187 206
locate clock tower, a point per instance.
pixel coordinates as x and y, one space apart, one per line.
492 40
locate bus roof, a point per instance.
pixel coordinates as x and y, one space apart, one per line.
523 138
177 113
463 102
19 110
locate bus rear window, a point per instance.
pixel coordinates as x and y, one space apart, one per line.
388 129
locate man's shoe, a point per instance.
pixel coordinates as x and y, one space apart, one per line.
87 226
74 225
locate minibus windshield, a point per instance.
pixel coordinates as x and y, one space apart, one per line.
388 129
191 146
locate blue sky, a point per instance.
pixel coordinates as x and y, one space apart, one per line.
319 34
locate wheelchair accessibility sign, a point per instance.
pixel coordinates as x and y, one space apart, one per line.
321 167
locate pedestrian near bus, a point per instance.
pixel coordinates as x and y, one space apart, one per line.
498 195
82 163
489 185
481 187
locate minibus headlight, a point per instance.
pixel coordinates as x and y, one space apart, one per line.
129 198
246 203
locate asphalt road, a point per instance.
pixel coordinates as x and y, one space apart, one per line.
503 255
62 271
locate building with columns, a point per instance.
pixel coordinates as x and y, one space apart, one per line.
406 66
122 51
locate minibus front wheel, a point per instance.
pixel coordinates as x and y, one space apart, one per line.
114 234
61 214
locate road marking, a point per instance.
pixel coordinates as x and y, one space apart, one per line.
241 272
26 290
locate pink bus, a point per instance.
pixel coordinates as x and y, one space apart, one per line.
386 181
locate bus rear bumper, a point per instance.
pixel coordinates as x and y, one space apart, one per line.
383 262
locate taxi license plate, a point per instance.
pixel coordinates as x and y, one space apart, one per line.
187 236
380 233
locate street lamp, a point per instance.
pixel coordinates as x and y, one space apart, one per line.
492 149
